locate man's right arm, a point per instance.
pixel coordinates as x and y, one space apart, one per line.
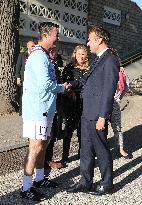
46 79
78 84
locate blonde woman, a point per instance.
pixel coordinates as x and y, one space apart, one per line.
72 101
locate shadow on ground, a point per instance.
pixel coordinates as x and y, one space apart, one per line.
130 177
133 142
65 180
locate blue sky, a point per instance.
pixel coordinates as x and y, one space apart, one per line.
139 3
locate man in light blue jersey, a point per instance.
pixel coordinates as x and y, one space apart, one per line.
40 89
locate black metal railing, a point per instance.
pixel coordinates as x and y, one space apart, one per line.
133 57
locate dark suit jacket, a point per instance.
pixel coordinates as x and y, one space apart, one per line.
99 87
20 66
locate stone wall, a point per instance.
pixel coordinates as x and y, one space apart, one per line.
125 38
128 36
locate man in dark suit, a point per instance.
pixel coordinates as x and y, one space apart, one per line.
20 68
99 87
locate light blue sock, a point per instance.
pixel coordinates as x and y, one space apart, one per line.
39 174
27 182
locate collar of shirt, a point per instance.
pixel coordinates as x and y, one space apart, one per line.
39 47
101 53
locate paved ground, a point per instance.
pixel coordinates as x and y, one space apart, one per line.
127 173
134 70
11 132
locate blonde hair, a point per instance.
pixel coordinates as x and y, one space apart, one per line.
73 57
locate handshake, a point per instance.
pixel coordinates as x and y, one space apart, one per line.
67 86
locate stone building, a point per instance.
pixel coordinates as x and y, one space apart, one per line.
123 18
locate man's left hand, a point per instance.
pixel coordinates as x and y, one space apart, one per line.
100 125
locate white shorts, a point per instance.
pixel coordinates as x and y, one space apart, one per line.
37 129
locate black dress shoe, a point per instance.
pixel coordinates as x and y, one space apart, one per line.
101 190
78 188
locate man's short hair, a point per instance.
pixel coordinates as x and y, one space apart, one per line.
101 33
45 27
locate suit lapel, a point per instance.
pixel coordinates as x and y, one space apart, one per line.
96 62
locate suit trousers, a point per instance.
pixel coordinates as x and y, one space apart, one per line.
94 143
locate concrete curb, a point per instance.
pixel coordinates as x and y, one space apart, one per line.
12 147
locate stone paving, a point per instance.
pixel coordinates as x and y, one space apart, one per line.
11 132
127 173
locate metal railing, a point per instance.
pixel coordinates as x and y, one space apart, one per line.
132 58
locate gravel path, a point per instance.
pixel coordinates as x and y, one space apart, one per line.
127 173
